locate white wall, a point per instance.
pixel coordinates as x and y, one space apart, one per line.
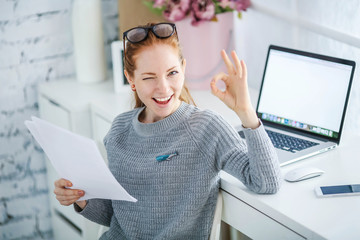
329 27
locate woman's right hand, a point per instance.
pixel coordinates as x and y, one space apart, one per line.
67 196
236 95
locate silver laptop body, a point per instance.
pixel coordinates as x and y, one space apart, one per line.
303 95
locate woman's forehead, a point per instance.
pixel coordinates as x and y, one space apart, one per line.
157 55
159 49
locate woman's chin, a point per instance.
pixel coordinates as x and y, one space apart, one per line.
164 109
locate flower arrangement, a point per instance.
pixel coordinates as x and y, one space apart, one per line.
199 10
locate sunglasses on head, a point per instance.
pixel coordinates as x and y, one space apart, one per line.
160 30
138 34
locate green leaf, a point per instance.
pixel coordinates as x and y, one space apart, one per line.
150 5
239 15
218 9
228 9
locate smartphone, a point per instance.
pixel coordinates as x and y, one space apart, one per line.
338 190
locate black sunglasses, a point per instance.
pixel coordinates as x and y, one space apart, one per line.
160 30
138 34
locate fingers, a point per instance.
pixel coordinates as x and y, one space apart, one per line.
220 76
244 69
64 195
228 63
239 65
214 89
67 201
68 196
63 183
68 192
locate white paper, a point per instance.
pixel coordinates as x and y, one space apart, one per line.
77 159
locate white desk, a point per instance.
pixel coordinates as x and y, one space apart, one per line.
296 206
293 213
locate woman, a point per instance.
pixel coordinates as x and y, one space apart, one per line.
168 153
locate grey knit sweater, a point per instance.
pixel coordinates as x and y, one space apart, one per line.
177 196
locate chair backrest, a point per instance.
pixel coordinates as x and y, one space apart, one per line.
102 229
215 230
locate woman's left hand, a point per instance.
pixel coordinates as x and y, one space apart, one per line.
236 95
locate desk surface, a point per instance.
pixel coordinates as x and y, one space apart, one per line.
296 205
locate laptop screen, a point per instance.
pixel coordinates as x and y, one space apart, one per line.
305 91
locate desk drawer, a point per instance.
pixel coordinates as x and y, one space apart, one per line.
253 223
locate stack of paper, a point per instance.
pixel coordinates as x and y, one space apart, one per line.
77 159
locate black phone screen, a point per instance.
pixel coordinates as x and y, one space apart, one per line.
336 189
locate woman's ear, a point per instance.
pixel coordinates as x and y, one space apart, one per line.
183 65
128 78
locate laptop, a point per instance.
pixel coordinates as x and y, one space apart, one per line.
302 101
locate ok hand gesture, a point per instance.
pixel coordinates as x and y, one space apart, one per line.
236 95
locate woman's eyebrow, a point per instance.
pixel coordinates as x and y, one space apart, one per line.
171 68
148 73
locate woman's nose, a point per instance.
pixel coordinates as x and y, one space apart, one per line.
163 84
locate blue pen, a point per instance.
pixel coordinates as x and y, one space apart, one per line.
166 157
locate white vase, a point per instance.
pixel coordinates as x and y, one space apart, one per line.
201 47
88 41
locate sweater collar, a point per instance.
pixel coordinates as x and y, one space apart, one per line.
149 129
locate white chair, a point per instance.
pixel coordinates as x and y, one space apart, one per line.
215 230
102 229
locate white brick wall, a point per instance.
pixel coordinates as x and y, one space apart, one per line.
35 46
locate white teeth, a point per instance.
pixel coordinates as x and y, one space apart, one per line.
162 99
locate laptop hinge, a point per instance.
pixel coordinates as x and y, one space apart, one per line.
299 132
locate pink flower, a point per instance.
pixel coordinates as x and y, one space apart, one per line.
176 9
227 3
202 10
241 5
158 3
238 5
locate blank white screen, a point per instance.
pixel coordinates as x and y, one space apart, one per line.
305 89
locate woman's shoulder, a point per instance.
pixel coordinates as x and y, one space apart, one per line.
205 116
208 127
205 122
122 121
125 117
120 124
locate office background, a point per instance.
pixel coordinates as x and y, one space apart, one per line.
36 46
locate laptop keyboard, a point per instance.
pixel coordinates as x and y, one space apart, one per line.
288 143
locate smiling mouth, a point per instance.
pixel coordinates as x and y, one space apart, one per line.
163 100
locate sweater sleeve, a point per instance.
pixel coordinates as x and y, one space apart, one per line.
97 210
254 161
